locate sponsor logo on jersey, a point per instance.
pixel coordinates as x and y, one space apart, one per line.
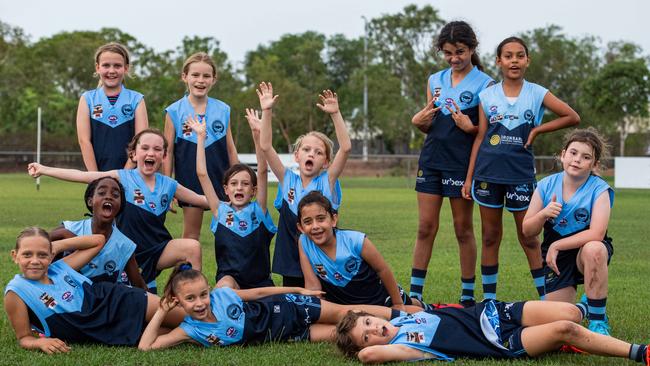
563 222
138 197
291 195
67 296
493 108
234 311
70 281
231 332
506 140
98 111
186 130
421 320
48 300
110 266
449 101
320 271
152 205
436 92
581 215
276 309
338 276
496 118
127 110
230 219
415 337
218 127
529 115
243 225
351 265
452 182
92 265
495 140
466 97
213 339
112 119
164 200
124 278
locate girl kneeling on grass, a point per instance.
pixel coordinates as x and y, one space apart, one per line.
224 316
53 299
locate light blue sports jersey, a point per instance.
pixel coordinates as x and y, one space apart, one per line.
242 222
418 331
502 157
228 308
292 191
345 267
109 263
217 116
576 212
446 146
64 295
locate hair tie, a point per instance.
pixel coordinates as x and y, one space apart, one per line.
185 267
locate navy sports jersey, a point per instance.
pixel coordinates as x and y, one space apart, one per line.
348 279
273 318
74 309
446 146
111 126
502 157
241 244
286 260
216 118
109 263
489 329
143 218
576 212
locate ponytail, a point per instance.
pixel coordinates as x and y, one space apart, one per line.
182 272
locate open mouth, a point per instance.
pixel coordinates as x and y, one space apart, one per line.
149 163
384 331
107 208
309 164
239 196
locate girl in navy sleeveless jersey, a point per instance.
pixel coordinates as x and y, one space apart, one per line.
502 164
148 197
105 199
491 329
318 172
242 228
225 316
199 75
449 119
108 117
53 299
573 208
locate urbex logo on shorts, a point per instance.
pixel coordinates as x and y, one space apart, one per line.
517 197
453 182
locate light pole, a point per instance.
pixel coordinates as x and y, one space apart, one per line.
364 152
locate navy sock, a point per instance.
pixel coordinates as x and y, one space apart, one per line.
417 282
638 353
540 284
596 308
489 275
467 286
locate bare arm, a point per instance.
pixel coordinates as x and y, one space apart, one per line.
60 233
482 129
170 136
267 101
201 169
391 352
141 123
311 281
232 149
151 338
133 273
187 195
78 243
331 106
18 316
423 119
260 292
70 175
371 255
536 215
84 135
567 117
87 247
262 166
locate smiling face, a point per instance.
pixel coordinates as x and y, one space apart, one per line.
106 201
33 257
317 223
371 331
578 159
240 189
200 77
513 61
311 156
111 68
149 153
194 297
458 56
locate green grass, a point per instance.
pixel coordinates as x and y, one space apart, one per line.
386 210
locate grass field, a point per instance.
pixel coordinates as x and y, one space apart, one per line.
386 210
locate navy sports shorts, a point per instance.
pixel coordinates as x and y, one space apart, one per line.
568 266
440 182
517 196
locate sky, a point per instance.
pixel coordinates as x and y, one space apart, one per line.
242 25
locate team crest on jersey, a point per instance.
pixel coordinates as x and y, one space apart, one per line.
415 337
187 130
291 195
243 225
230 219
563 222
152 205
92 265
67 296
164 200
529 115
493 109
420 320
483 185
69 281
127 110
466 97
98 111
581 215
112 119
231 332
320 271
110 266
218 127
338 276
214 340
351 265
234 311
138 197
449 101
48 300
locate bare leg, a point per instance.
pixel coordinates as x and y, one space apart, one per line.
461 210
549 337
544 312
567 294
531 245
178 250
428 220
491 234
322 333
331 313
592 262
192 220
174 316
228 281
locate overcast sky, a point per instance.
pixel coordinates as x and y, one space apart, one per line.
242 25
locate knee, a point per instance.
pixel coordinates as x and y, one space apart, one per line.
491 238
191 247
566 330
464 234
530 243
426 230
594 253
572 312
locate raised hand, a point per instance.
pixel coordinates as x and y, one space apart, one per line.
330 102
254 122
462 120
424 117
196 125
265 93
167 305
553 209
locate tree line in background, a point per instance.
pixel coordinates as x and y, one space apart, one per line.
609 87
